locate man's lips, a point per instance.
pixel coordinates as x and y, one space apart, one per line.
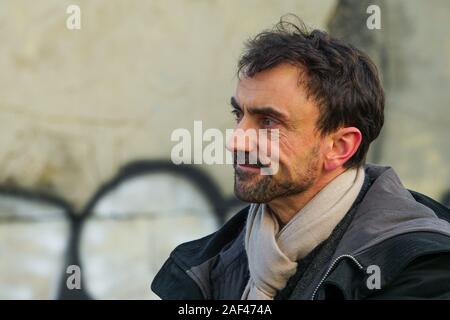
249 167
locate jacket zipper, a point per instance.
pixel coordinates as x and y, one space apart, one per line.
331 268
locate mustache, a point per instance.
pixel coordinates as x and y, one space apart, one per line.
248 159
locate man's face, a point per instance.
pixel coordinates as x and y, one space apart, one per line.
275 99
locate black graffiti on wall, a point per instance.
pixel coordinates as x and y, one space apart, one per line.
219 203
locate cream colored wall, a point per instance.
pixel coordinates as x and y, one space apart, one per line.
417 129
76 104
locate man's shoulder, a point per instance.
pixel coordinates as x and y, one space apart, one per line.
438 208
424 240
424 276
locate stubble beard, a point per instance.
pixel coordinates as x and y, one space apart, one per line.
257 188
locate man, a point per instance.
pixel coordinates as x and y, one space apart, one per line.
325 225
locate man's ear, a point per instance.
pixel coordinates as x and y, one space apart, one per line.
343 145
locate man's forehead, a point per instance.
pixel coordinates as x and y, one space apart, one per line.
278 87
281 76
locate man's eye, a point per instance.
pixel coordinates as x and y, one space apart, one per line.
237 114
268 122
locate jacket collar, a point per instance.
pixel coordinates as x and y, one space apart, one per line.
387 210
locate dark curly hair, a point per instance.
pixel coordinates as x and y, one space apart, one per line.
340 78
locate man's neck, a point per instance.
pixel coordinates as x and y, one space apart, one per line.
286 208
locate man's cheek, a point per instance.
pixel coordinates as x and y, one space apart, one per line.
287 150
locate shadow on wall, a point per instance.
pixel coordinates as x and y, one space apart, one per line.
119 240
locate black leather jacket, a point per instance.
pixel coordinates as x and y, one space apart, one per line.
392 244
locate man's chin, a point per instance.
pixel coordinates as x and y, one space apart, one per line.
245 197
250 192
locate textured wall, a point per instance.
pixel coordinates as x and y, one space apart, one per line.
412 51
76 104
417 131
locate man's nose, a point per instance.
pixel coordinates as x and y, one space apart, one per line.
243 139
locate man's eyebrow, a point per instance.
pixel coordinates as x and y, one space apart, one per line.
266 110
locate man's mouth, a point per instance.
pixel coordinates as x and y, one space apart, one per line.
244 164
249 167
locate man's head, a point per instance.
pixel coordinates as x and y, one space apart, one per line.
324 97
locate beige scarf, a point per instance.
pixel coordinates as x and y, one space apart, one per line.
273 253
